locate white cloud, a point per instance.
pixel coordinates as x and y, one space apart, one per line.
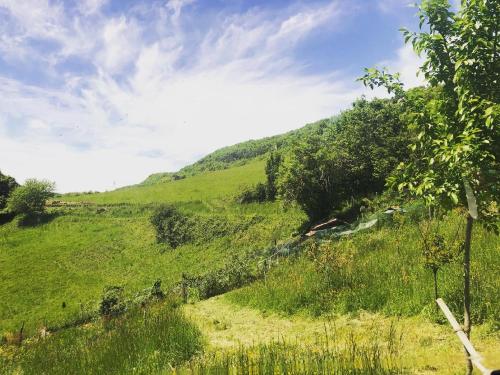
393 6
156 102
407 64
88 7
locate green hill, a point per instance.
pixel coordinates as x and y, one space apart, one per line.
109 241
242 153
54 273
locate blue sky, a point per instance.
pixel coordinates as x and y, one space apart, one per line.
97 94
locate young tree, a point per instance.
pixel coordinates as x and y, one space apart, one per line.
456 152
272 169
29 199
306 176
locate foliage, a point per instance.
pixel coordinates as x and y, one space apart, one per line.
7 185
254 194
378 271
457 131
268 191
176 228
245 152
30 198
148 295
437 251
272 171
147 341
237 272
112 302
171 225
307 177
350 160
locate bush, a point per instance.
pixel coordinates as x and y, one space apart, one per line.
171 225
233 275
112 303
175 228
7 185
257 193
30 198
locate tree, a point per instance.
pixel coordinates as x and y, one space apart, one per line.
306 176
7 185
437 252
455 156
29 199
350 159
273 163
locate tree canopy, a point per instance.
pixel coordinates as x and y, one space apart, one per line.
30 198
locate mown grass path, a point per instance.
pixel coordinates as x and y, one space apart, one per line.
425 348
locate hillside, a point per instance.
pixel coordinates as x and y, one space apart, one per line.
109 241
58 270
242 153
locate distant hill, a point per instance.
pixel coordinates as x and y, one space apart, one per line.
241 153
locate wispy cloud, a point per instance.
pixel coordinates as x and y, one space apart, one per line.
156 91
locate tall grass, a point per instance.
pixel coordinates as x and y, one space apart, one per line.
53 272
355 355
379 271
141 342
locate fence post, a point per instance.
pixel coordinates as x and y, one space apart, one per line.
474 356
184 288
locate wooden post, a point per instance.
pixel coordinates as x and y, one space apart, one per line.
473 356
184 289
467 317
21 334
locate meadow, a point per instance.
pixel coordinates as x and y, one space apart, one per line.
203 189
380 271
144 341
54 273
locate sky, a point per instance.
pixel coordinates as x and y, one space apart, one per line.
98 94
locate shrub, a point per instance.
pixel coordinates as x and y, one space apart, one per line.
30 198
235 274
273 163
171 225
257 193
148 295
112 303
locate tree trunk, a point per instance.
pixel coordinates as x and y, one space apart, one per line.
467 302
436 296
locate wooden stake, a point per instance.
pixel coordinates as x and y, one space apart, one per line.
474 356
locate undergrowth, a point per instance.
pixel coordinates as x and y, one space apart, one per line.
143 341
382 270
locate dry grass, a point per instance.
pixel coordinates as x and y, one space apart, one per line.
425 348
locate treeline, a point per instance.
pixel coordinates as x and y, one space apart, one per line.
341 160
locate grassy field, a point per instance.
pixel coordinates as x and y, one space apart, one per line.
412 344
54 272
207 188
53 275
148 341
379 271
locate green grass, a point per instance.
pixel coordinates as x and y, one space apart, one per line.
282 358
206 187
146 341
72 257
379 271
